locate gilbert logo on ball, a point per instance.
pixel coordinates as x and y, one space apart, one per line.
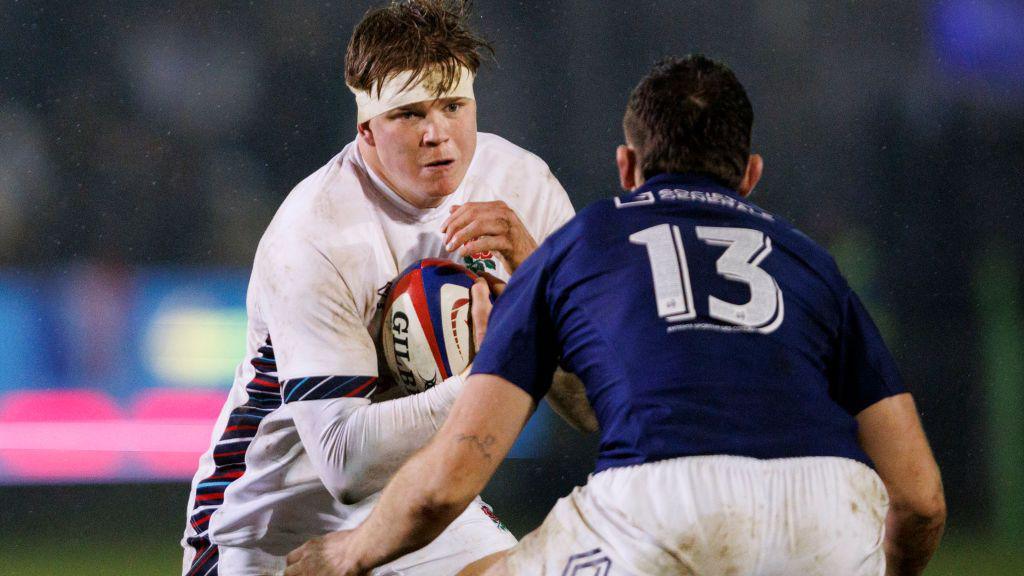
426 334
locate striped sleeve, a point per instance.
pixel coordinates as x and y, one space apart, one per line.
328 387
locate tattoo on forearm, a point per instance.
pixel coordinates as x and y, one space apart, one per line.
482 445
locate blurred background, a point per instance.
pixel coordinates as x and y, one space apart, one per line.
145 146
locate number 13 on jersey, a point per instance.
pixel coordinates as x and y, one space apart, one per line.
745 249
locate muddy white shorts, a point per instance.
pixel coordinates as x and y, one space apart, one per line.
475 534
715 515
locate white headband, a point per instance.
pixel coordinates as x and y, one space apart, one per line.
392 95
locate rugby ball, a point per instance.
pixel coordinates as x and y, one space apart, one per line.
426 333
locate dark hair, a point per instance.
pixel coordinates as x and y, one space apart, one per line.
416 35
690 114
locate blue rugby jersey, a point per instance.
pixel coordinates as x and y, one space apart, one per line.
699 324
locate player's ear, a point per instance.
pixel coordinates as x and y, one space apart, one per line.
625 159
365 132
755 165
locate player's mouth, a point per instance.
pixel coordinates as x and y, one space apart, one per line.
439 165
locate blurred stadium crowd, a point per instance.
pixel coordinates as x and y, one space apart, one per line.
138 135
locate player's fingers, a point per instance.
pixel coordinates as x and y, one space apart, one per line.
498 222
457 221
467 215
451 214
471 211
497 285
296 564
462 213
474 229
480 309
297 554
459 232
499 244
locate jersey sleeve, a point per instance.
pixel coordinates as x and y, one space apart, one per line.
314 322
520 345
866 371
357 446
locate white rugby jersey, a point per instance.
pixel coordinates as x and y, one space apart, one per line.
339 237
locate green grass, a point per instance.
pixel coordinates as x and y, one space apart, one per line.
116 556
977 556
131 556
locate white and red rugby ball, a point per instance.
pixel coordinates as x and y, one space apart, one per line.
426 333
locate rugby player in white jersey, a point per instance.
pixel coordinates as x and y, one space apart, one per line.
752 420
299 449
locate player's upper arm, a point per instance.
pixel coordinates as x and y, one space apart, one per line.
315 322
326 360
891 435
521 344
864 371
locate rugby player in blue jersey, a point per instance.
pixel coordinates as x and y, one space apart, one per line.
752 419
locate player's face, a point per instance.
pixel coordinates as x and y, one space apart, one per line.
423 150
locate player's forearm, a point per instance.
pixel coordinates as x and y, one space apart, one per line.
912 536
376 439
891 434
437 484
423 498
383 436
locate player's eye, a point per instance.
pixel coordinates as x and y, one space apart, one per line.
453 107
402 114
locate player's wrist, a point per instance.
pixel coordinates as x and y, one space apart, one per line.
363 555
525 248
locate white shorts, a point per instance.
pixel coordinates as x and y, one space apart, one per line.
715 515
472 536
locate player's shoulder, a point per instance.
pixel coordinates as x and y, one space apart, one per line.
598 217
504 171
326 213
814 256
494 146
785 235
494 152
331 196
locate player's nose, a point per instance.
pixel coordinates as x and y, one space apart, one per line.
436 129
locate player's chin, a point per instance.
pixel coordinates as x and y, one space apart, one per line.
439 182
439 187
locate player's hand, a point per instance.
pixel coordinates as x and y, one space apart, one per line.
324 556
496 285
476 227
480 310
